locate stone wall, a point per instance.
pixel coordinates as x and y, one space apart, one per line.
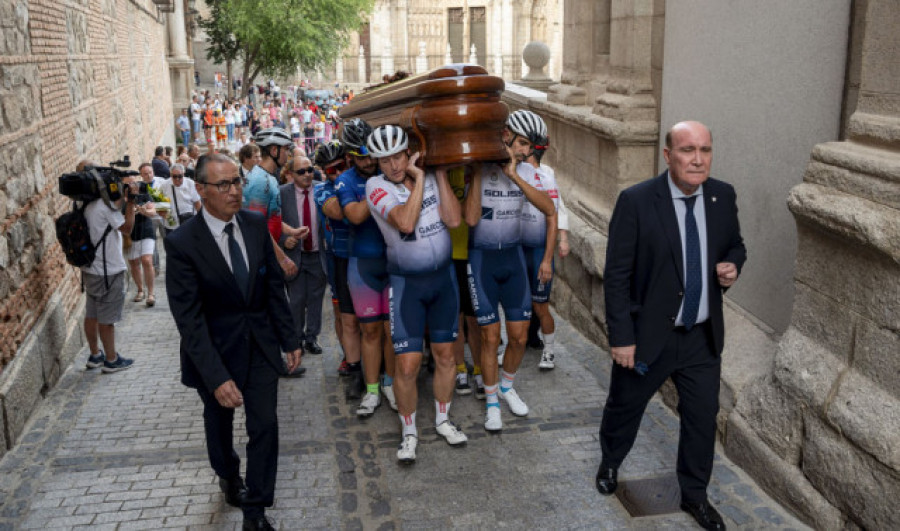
78 79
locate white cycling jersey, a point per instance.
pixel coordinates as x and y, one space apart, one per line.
500 225
428 247
534 223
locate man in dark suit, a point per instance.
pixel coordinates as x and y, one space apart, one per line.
300 239
669 259
226 292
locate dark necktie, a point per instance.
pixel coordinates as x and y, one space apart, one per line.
693 286
307 242
238 266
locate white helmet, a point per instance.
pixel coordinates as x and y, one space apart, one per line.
273 136
387 140
531 126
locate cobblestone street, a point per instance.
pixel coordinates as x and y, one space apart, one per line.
126 451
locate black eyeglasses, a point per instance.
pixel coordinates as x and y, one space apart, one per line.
224 186
301 171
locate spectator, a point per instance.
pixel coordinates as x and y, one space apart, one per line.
158 164
143 241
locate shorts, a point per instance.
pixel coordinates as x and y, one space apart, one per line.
295 136
499 277
370 288
427 299
540 291
465 301
140 248
328 266
342 285
102 303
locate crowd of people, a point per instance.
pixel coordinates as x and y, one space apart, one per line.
419 261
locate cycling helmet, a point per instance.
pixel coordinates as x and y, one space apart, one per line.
273 136
353 134
529 125
328 153
387 140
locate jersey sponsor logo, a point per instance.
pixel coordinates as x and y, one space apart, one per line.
339 185
485 319
401 344
377 195
501 193
473 291
554 193
507 214
429 201
487 213
434 227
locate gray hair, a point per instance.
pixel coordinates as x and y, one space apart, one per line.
178 167
202 171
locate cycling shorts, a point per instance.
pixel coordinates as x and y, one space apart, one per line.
462 280
328 266
425 299
498 276
341 284
370 288
540 291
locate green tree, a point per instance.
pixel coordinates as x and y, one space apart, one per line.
277 36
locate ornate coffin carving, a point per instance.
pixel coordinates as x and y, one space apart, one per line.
453 114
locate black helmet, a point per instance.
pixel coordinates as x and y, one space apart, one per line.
354 134
328 153
529 125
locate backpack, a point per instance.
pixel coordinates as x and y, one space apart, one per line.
74 237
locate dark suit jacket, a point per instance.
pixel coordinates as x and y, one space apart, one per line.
219 328
290 216
644 277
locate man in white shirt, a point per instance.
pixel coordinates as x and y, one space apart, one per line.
183 196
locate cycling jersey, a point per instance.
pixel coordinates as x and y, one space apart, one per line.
261 194
365 239
534 223
337 232
427 248
419 300
501 209
498 277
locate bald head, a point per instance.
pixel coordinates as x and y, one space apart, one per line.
685 126
688 153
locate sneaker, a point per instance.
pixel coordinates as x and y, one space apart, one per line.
369 403
452 434
492 421
344 368
95 360
479 390
406 454
547 358
388 391
516 405
462 384
115 366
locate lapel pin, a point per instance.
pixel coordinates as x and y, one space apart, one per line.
713 199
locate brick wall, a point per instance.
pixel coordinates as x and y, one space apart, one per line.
78 79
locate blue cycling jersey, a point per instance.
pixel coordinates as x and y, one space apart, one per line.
261 193
365 239
337 232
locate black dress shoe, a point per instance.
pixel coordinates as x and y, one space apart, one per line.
355 384
705 515
298 372
234 490
254 524
607 479
311 347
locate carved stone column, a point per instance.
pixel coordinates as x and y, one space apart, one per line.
181 65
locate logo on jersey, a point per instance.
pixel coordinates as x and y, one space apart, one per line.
400 345
339 185
407 236
377 195
487 213
554 193
429 201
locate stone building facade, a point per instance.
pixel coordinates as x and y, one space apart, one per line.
420 35
79 79
805 115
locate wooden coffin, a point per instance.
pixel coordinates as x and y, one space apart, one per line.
453 114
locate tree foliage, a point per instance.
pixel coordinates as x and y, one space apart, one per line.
277 36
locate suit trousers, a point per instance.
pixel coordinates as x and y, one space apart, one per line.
688 358
305 292
260 402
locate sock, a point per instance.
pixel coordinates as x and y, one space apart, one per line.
354 367
490 394
476 370
548 339
387 381
461 368
408 423
506 381
441 412
372 388
479 379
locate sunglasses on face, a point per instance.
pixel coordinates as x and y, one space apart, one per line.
224 186
177 175
301 171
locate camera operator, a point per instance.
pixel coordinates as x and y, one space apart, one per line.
183 193
104 279
143 236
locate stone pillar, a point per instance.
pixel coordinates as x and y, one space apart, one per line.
387 59
181 65
822 431
421 59
361 66
339 69
448 55
473 55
